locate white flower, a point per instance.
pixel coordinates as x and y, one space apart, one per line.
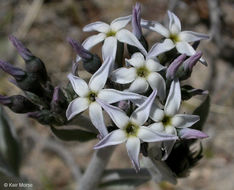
131 129
168 120
110 34
89 92
142 74
174 36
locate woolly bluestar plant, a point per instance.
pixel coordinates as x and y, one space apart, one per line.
141 95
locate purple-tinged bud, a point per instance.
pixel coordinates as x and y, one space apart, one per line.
187 133
136 21
191 61
80 50
17 73
33 64
59 102
18 103
91 62
75 67
23 51
174 66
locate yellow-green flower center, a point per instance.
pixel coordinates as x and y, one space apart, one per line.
174 37
166 120
142 72
92 96
110 33
131 129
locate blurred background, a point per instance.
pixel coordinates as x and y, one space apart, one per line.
44 25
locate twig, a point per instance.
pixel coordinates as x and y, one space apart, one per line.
96 167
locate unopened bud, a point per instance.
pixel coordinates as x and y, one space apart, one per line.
18 103
191 62
17 73
174 66
188 92
59 102
33 63
91 62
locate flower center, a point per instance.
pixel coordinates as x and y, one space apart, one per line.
92 96
142 72
166 120
174 38
110 33
131 129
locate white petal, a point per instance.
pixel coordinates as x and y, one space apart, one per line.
147 134
174 98
133 149
76 106
111 96
98 80
154 65
167 146
156 81
97 26
93 40
170 130
141 114
96 117
137 60
120 22
127 37
79 85
155 26
109 48
156 113
140 85
159 48
124 75
116 137
187 133
157 127
185 48
118 116
189 36
184 120
174 23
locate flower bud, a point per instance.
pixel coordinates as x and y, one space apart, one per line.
17 73
136 29
91 62
59 102
33 63
18 103
174 66
187 133
191 62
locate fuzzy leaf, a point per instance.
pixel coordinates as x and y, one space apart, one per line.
73 134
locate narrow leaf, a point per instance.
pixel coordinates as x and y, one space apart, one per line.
73 134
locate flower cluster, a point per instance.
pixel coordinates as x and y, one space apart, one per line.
142 95
141 92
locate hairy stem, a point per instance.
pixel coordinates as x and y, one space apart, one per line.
93 174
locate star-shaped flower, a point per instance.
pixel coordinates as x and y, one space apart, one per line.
110 34
142 74
174 36
131 129
89 92
169 121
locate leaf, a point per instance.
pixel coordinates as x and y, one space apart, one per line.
129 177
73 134
10 152
203 111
